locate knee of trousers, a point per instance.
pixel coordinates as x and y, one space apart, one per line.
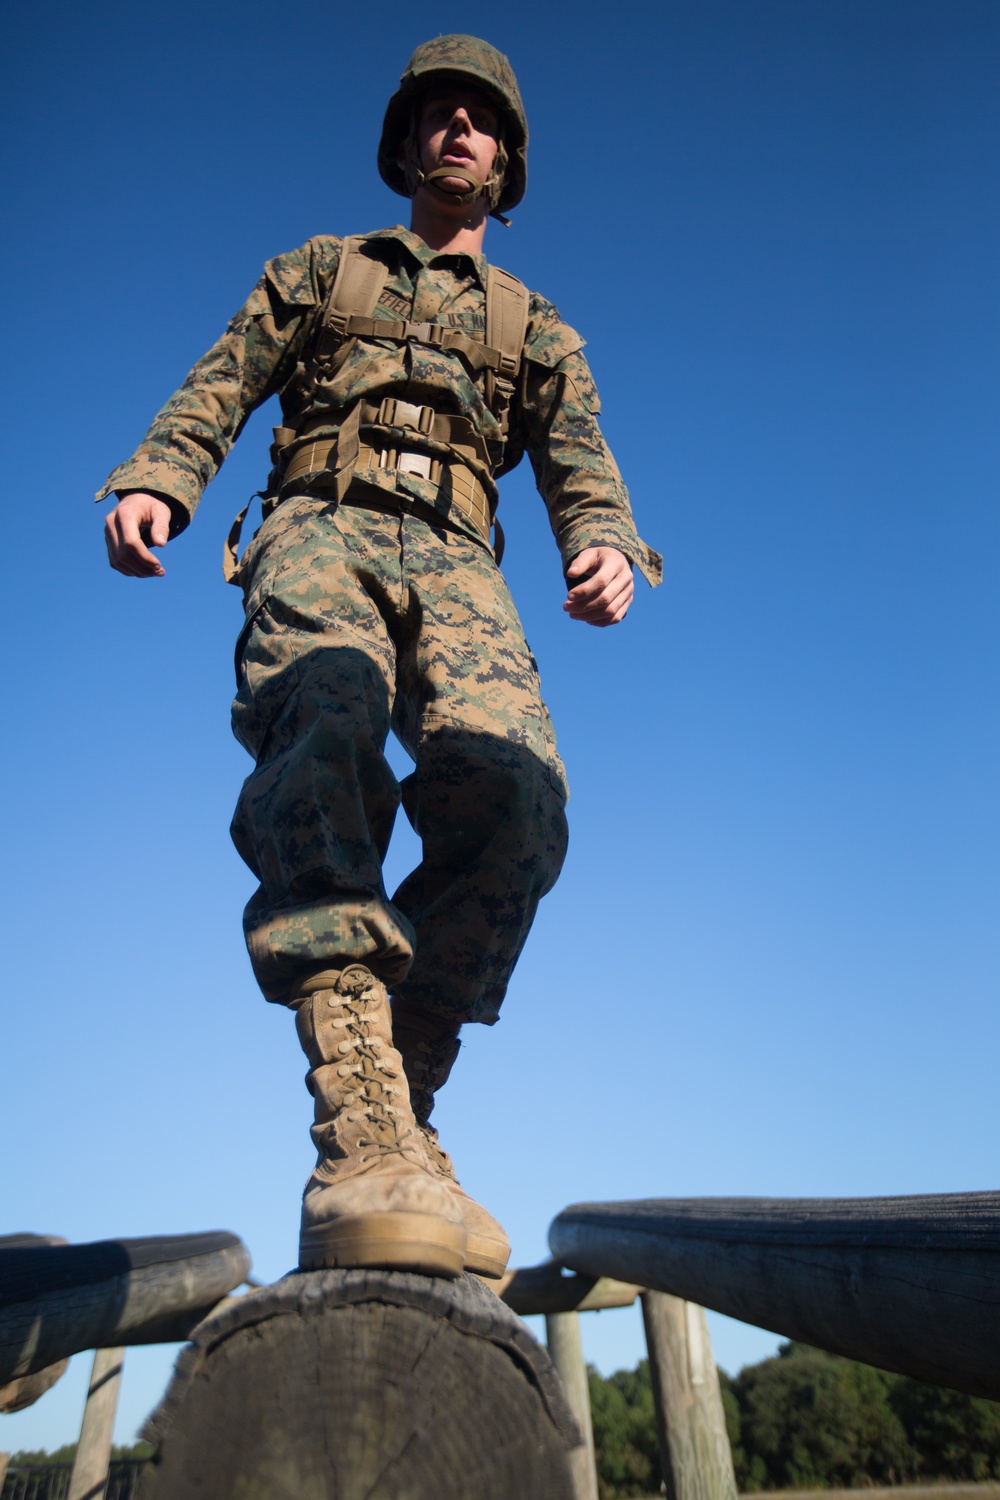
475 797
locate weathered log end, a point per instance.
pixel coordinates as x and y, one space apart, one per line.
363 1385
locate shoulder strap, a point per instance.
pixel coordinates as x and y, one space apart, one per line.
356 288
506 318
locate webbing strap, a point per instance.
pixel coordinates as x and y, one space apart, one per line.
439 335
506 318
358 283
455 432
324 460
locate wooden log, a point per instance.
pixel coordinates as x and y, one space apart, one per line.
16 1395
92 1462
695 1455
56 1300
909 1284
547 1289
562 1335
363 1385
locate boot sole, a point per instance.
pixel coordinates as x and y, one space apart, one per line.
486 1257
400 1241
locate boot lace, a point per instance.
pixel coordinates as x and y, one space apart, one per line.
383 1131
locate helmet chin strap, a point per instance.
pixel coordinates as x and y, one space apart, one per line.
433 180
415 177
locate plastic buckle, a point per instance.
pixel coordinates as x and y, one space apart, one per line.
396 413
418 464
427 333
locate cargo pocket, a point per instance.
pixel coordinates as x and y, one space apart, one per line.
556 769
267 673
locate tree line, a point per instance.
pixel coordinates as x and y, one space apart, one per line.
801 1420
805 1419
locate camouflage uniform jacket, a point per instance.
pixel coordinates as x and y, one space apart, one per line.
268 347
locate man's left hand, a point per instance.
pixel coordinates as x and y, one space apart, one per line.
600 586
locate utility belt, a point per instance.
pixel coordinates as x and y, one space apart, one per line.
455 460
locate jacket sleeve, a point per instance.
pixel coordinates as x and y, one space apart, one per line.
577 477
191 435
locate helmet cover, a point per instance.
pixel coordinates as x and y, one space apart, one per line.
469 60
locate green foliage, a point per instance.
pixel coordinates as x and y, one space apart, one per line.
809 1420
628 1456
38 1458
957 1436
806 1420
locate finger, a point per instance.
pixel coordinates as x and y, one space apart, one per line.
582 562
118 555
594 585
111 538
582 606
159 531
136 550
608 565
605 617
608 612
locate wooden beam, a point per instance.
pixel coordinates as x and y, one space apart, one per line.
547 1289
56 1300
16 1395
92 1463
696 1458
908 1284
375 1383
562 1335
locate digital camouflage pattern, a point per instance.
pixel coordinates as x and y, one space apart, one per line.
358 621
267 348
363 618
483 66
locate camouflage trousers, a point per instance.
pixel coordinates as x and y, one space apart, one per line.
359 621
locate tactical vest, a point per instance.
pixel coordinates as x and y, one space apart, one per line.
444 449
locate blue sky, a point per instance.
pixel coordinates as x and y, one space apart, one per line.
771 964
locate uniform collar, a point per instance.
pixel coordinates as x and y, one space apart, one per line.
425 255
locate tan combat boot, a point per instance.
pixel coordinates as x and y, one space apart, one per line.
373 1198
429 1046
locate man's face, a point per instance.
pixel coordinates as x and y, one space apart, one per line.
458 127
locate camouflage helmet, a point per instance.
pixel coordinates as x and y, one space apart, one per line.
475 62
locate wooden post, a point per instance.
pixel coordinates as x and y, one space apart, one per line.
4 1461
690 1418
91 1466
562 1335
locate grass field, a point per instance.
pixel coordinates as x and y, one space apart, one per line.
942 1491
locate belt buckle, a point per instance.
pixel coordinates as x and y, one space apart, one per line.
396 413
418 464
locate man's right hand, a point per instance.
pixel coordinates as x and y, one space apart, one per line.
138 518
